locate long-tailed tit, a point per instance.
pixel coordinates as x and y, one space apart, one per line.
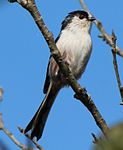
74 44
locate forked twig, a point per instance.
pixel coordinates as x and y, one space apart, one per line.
111 41
114 38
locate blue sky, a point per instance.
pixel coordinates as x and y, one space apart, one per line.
24 56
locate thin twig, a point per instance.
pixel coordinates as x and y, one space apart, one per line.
1 93
1 122
100 27
116 66
10 135
96 140
81 94
29 137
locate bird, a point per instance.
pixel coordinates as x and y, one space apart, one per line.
75 46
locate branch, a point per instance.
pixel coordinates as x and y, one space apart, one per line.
116 66
104 35
80 93
10 135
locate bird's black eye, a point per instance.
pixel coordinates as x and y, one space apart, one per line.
81 17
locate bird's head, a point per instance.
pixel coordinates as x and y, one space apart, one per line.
77 20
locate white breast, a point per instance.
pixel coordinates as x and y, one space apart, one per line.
77 46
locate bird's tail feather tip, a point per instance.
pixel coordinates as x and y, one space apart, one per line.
35 133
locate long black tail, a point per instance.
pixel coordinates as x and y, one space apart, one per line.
38 121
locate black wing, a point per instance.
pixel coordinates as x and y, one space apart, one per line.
47 80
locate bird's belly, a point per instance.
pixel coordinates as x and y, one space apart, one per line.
75 50
79 55
79 62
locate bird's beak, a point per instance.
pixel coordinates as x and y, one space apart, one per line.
91 18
